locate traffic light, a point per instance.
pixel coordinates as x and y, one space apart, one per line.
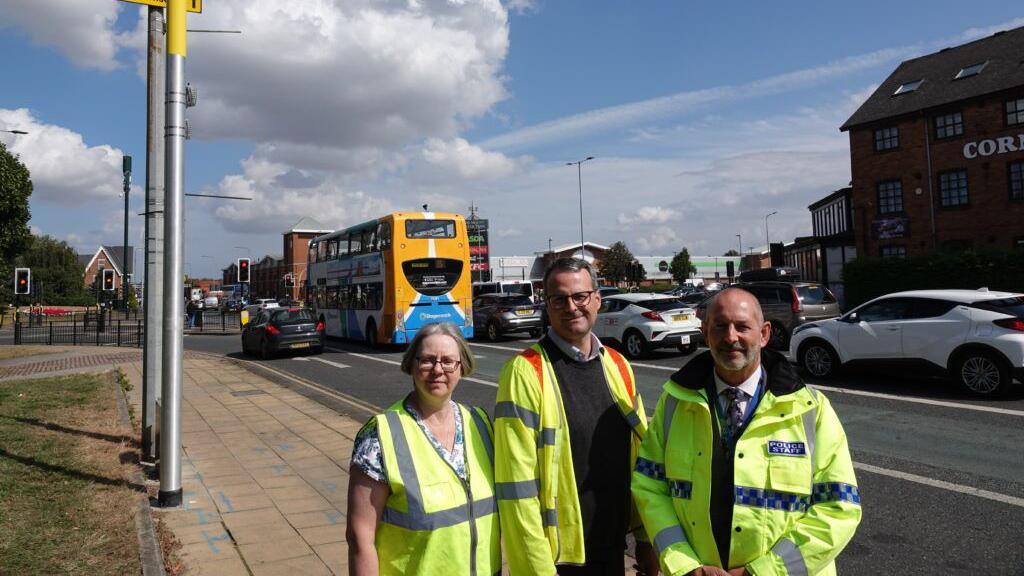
289 280
108 280
730 268
243 270
22 280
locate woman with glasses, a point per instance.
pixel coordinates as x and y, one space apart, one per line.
421 482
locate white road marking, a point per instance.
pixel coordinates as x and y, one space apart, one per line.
970 490
335 364
300 359
655 366
386 361
496 347
942 403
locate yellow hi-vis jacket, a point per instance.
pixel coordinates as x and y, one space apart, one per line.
535 482
433 521
795 498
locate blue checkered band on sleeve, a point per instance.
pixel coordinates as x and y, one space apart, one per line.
772 499
680 489
650 469
836 492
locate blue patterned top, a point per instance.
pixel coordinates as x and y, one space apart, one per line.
367 456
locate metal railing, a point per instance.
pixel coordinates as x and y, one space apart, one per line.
213 321
98 332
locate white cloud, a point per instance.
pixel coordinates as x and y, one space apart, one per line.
65 170
648 215
83 32
466 160
660 239
508 232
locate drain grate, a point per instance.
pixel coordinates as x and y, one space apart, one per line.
248 393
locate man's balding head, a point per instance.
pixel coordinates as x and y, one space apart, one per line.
735 331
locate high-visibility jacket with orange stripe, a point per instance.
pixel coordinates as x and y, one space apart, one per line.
535 482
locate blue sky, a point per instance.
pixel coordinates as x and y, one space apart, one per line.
702 117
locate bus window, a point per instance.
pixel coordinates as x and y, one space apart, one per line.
332 249
321 251
367 240
354 242
385 235
430 229
432 276
312 253
374 239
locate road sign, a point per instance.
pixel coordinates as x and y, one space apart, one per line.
190 5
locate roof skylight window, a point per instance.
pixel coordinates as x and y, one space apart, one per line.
972 70
908 87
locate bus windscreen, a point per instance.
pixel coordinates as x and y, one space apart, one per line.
416 229
432 276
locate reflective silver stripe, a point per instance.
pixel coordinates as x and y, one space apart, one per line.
791 557
512 410
546 437
667 412
516 490
550 517
810 430
485 433
669 536
416 518
634 419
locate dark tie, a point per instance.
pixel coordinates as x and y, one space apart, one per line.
733 412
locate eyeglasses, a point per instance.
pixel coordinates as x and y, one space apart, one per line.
447 364
560 301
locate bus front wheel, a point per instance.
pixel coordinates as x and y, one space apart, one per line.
371 333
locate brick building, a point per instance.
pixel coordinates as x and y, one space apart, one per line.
281 276
105 258
937 153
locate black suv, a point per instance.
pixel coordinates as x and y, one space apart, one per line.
495 315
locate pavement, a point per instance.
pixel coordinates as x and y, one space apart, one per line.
264 465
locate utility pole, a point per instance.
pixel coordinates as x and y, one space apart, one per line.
154 249
174 141
126 170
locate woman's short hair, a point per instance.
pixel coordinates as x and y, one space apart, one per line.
447 329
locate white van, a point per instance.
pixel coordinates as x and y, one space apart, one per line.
524 287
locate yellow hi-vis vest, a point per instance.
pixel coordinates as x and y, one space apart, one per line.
535 482
796 503
433 521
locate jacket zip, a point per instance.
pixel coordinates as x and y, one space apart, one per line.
472 524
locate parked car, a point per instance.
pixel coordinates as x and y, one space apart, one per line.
974 336
267 303
524 287
496 315
775 273
610 291
788 305
211 303
232 305
643 322
275 329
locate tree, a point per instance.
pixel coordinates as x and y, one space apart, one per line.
56 272
15 188
731 253
681 268
617 263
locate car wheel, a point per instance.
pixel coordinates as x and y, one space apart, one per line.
780 338
265 352
819 359
371 333
982 373
493 334
634 344
688 348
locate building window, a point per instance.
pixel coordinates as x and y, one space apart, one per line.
957 245
953 188
894 251
908 87
949 125
890 197
1017 181
972 70
1018 243
1015 112
887 138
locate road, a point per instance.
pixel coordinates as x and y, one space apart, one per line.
941 475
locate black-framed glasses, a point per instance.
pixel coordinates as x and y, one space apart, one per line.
560 301
447 364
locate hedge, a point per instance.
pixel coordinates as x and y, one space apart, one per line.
867 278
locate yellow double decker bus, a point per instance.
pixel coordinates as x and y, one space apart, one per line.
382 280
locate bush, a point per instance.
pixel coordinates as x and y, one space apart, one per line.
867 278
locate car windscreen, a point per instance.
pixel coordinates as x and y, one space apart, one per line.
430 228
432 276
291 316
661 304
524 289
814 295
1013 305
515 301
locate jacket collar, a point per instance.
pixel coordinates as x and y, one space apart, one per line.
782 377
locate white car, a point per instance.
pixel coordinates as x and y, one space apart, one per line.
265 303
976 336
643 322
210 302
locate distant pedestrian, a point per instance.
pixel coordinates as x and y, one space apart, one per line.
421 482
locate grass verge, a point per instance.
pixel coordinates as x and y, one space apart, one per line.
65 506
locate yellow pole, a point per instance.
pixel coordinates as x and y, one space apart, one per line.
176 27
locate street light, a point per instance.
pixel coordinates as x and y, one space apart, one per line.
579 177
767 242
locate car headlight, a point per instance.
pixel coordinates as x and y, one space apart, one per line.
803 327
